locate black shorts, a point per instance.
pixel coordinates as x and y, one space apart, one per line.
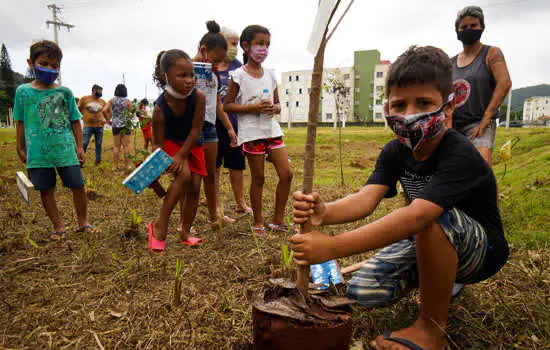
44 178
229 157
121 131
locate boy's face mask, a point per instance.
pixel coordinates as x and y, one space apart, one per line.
46 75
414 130
258 53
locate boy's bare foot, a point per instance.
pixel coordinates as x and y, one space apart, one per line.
425 337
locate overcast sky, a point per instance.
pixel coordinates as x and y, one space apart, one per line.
112 37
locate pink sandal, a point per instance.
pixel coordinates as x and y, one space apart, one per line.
154 244
192 241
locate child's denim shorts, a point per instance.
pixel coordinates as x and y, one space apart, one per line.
392 272
208 134
44 178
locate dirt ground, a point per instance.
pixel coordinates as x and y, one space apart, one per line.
108 291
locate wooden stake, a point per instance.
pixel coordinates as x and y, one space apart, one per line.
302 281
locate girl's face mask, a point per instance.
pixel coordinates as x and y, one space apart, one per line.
414 130
258 53
172 92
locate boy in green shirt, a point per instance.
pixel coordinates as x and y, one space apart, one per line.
48 123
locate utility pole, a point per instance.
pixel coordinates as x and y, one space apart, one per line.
123 79
56 25
508 110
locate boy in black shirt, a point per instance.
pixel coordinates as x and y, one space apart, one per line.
451 230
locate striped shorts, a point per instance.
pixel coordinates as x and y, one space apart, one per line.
392 272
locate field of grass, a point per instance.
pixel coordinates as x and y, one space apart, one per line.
104 290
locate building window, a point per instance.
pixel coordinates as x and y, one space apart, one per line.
290 78
379 74
346 77
297 78
378 102
346 90
357 103
329 116
378 116
297 103
357 89
379 88
357 76
300 91
286 91
308 90
287 103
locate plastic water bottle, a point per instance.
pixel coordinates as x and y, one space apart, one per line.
265 119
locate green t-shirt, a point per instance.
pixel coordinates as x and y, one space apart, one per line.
47 115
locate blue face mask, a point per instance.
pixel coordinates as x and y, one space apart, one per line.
46 75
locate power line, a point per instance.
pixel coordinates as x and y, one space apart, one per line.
56 25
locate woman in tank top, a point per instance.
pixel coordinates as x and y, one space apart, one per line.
480 83
115 109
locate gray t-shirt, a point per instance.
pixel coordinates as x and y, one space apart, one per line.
473 86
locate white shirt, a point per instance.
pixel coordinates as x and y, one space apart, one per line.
253 126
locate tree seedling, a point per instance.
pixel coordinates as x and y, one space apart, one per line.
176 293
135 221
286 259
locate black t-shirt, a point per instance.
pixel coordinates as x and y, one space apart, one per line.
456 176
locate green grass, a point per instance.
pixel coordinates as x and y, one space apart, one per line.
7 135
525 189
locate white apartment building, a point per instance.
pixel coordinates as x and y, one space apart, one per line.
294 95
379 84
535 107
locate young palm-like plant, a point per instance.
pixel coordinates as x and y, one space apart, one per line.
176 293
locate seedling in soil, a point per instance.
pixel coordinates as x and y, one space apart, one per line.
218 226
506 153
303 327
31 241
135 221
91 190
15 211
176 294
288 224
257 241
286 258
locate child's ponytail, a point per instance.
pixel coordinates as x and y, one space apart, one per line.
157 75
213 39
